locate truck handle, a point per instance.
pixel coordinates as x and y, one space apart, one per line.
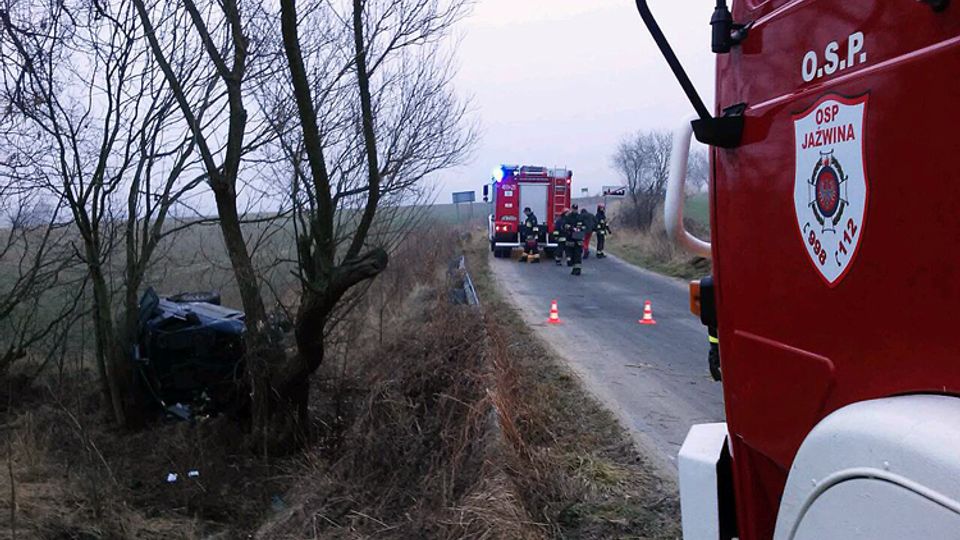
676 190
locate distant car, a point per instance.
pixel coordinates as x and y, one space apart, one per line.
190 351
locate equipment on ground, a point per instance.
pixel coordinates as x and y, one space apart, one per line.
833 196
545 191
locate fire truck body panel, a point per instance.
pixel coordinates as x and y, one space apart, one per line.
878 469
547 192
848 296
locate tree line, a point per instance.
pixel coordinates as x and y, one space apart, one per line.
119 118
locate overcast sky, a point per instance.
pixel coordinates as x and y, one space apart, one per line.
559 82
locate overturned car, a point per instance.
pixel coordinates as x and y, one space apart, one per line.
189 353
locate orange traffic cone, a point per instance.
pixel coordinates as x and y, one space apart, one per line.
554 314
647 314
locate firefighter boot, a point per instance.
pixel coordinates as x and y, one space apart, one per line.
576 271
601 255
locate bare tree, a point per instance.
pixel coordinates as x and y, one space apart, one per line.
387 127
220 30
643 159
357 97
92 124
698 171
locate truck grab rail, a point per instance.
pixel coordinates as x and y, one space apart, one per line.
676 191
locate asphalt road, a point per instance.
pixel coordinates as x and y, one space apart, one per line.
654 378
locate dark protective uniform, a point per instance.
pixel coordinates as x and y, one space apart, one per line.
590 222
713 359
603 230
560 234
576 228
529 233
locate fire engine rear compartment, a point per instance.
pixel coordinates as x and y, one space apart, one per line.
533 196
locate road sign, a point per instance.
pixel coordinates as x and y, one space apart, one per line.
614 191
464 197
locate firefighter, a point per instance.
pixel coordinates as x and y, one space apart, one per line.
713 358
589 223
575 231
602 229
559 233
568 230
529 233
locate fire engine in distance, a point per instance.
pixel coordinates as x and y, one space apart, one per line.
547 192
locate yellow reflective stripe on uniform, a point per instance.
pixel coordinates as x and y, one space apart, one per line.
713 339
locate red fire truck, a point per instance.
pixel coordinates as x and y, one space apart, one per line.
545 191
834 197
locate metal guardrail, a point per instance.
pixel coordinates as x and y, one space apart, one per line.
472 298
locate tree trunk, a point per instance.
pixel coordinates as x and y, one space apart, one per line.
110 358
262 355
128 325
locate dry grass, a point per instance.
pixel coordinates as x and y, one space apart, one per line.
421 456
653 250
465 428
66 484
73 476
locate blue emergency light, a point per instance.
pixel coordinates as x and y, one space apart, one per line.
503 172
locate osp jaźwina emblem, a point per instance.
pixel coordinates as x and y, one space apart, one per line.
830 190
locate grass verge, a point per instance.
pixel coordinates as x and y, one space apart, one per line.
652 249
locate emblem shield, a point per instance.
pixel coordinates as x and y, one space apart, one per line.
831 190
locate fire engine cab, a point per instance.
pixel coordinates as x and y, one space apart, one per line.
836 275
512 187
